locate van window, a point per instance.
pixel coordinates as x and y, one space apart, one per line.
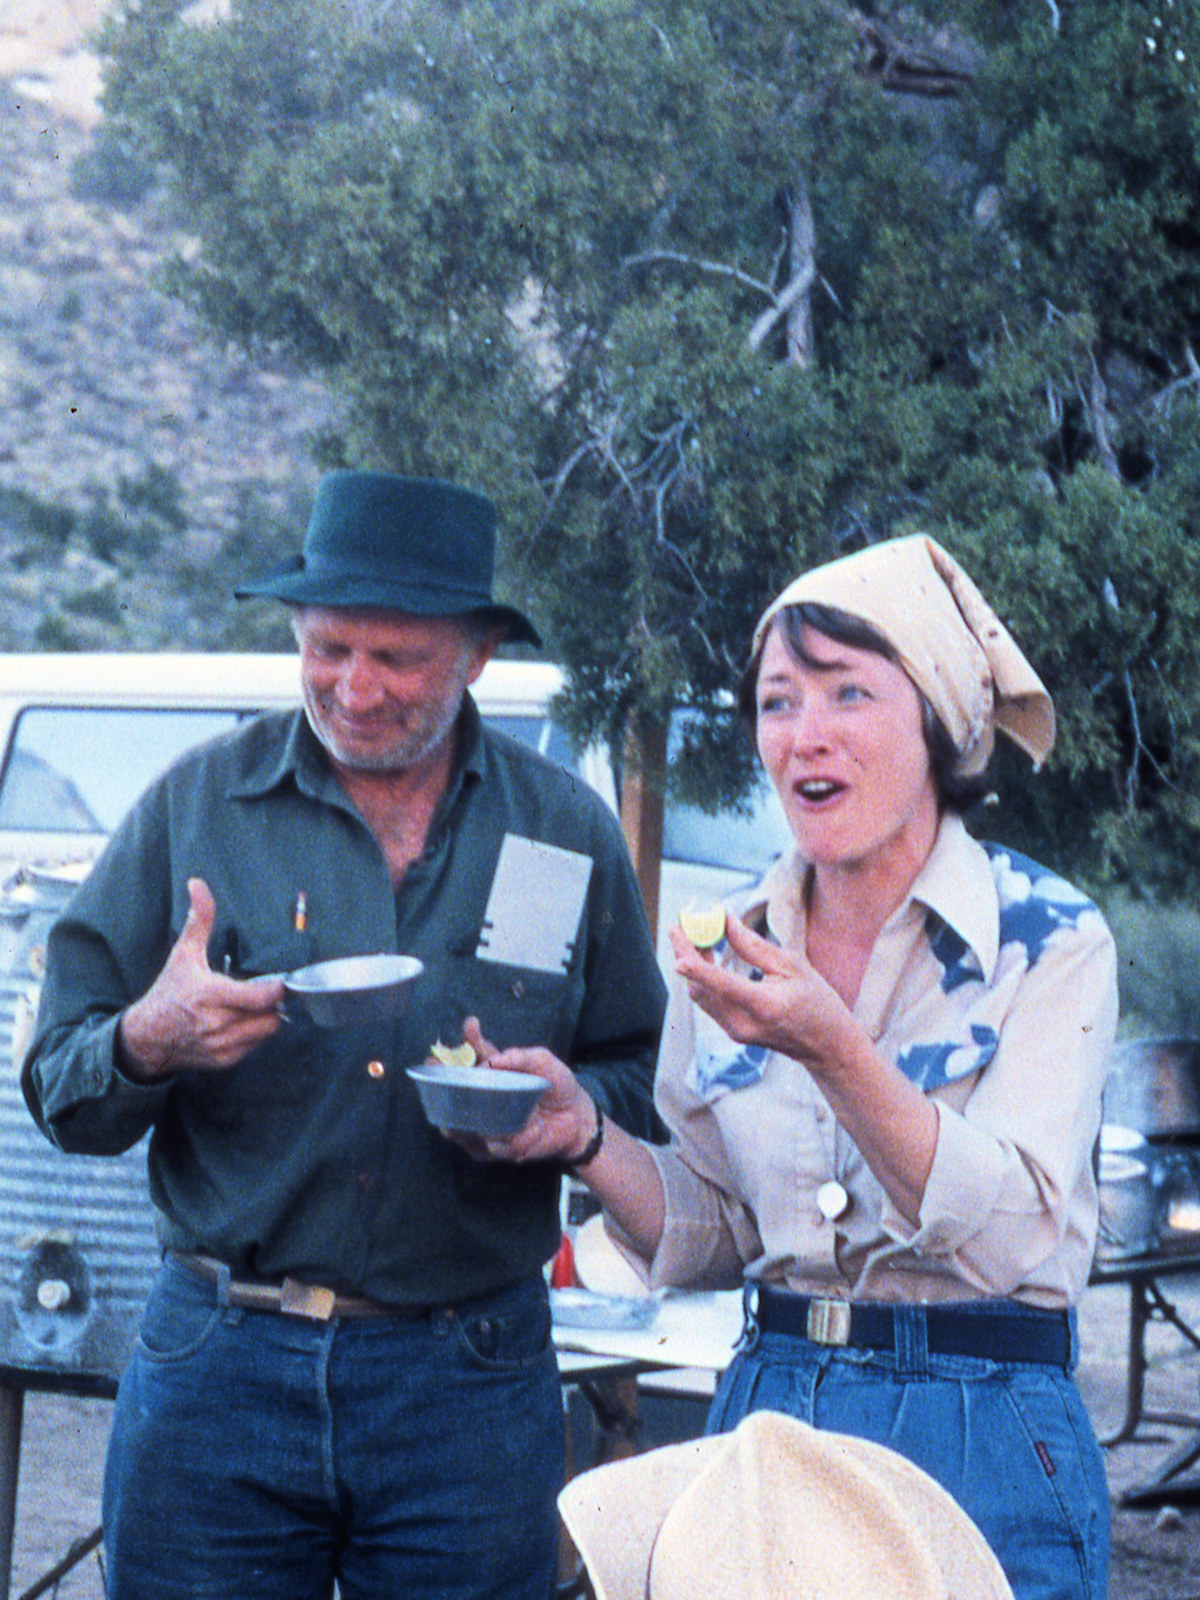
545 736
746 840
78 769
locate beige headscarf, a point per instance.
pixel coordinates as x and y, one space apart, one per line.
775 1510
946 637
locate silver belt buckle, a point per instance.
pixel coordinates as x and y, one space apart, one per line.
306 1300
828 1321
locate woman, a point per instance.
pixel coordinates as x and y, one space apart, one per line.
884 1090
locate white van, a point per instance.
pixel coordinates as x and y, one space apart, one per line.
80 737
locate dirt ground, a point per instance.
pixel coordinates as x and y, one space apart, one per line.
1156 1551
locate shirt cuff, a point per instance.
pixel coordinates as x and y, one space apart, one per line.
961 1191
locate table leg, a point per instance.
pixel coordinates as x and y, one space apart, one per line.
1147 1303
12 1409
1135 1367
614 1402
1166 1485
614 1406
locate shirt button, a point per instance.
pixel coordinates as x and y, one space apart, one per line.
518 989
365 1180
376 1069
832 1200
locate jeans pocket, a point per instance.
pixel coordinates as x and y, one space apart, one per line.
179 1316
502 1338
1067 1462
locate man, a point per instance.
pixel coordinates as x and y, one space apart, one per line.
344 1371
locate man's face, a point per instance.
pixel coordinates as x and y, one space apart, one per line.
383 690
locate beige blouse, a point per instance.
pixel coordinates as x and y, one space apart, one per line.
993 987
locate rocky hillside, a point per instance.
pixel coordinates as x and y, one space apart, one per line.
140 464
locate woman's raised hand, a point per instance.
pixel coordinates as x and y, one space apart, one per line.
782 1003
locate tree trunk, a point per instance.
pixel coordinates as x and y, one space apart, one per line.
802 250
643 781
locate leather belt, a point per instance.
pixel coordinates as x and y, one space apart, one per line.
290 1297
992 1333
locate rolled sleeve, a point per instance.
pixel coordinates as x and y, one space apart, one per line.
709 1234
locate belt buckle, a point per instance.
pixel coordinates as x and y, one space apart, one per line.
828 1322
306 1300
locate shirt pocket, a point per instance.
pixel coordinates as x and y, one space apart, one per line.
515 1005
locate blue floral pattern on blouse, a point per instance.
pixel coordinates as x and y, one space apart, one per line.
1035 907
719 1072
1035 904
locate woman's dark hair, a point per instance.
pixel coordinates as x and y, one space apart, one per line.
954 792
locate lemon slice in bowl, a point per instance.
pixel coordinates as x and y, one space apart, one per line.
453 1055
705 926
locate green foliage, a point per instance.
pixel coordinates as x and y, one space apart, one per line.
1159 967
547 249
54 632
29 516
101 604
112 171
149 509
262 536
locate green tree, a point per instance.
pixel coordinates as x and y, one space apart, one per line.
702 296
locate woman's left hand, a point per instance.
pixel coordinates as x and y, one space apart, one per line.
562 1121
783 1004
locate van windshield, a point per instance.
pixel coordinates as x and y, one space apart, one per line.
78 769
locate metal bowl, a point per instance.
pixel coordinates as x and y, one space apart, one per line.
482 1100
1130 1209
353 989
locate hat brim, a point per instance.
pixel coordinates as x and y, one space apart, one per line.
616 1514
296 585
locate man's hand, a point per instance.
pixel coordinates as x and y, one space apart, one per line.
192 1017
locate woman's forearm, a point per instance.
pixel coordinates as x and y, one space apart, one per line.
624 1177
892 1122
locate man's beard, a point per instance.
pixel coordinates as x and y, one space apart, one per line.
410 745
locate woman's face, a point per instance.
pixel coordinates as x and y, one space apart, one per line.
843 743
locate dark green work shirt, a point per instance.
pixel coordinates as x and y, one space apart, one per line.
312 1157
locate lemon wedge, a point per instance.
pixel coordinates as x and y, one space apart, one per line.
456 1055
705 927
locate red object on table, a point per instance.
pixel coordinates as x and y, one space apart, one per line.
562 1269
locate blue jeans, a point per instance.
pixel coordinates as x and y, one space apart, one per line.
1012 1443
260 1457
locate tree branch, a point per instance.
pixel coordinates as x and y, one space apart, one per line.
1189 380
1097 409
940 62
649 258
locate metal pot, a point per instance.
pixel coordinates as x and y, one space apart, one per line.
1154 1086
1178 1183
1129 1203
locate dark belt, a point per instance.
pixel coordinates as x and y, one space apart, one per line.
993 1333
290 1297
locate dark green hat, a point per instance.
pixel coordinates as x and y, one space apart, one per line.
381 542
